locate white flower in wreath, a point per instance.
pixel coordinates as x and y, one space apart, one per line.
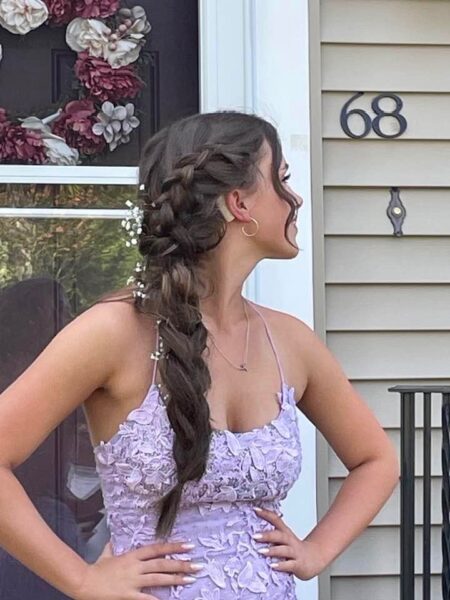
123 52
87 34
125 45
116 123
138 17
57 151
22 16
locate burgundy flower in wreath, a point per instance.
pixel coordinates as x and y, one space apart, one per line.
75 125
90 9
59 11
19 145
102 82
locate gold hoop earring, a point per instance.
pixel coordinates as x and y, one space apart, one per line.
251 234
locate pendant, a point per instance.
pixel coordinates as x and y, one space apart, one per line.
243 368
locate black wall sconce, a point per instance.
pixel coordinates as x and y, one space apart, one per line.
396 211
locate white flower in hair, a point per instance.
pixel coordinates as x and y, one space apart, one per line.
133 222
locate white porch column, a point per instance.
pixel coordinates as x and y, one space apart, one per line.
254 57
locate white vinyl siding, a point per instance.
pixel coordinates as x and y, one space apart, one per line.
385 299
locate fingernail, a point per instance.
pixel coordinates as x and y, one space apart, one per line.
257 509
257 536
275 565
197 566
188 546
189 579
263 550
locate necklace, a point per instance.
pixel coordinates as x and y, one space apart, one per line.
243 365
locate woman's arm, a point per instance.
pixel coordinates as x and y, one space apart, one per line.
79 359
333 405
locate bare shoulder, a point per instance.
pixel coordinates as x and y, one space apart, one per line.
81 358
329 400
280 318
292 337
291 329
120 314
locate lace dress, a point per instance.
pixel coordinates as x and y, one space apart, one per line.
244 469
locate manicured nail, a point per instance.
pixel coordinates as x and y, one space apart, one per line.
257 509
263 550
188 546
275 565
257 536
197 566
189 579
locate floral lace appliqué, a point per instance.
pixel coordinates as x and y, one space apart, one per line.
245 469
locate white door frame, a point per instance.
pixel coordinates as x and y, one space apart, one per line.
254 57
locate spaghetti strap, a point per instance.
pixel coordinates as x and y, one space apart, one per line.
269 334
154 355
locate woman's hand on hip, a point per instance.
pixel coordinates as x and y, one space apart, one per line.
122 577
302 558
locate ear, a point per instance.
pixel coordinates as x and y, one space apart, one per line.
224 209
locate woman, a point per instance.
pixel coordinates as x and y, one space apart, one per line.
196 453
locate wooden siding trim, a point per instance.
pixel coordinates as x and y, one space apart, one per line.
368 22
404 68
315 86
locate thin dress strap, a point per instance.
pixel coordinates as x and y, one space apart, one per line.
155 354
269 334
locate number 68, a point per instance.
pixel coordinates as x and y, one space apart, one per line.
375 123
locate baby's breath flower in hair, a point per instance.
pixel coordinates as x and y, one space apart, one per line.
133 222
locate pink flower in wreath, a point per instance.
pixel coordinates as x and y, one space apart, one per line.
59 11
89 9
102 82
75 125
19 145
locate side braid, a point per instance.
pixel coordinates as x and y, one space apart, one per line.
183 333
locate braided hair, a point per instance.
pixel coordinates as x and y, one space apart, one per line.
184 168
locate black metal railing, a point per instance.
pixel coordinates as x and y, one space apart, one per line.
407 504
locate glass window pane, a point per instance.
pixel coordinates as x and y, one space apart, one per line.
15 195
50 269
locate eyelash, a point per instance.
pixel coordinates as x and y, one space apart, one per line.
286 177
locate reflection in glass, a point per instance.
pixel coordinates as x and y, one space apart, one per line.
50 269
87 256
50 195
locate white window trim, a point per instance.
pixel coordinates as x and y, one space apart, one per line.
68 174
63 213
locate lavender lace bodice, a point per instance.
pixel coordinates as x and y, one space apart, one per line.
244 469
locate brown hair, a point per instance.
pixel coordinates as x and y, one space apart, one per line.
184 168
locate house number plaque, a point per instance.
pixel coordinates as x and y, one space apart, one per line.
374 123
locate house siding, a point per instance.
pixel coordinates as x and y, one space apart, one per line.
382 301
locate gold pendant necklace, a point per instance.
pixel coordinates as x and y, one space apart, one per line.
243 365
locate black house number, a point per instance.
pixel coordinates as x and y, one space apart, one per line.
376 121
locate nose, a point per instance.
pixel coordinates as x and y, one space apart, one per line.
299 204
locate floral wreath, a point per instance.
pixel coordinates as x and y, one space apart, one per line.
108 40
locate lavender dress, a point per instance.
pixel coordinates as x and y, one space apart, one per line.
244 469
